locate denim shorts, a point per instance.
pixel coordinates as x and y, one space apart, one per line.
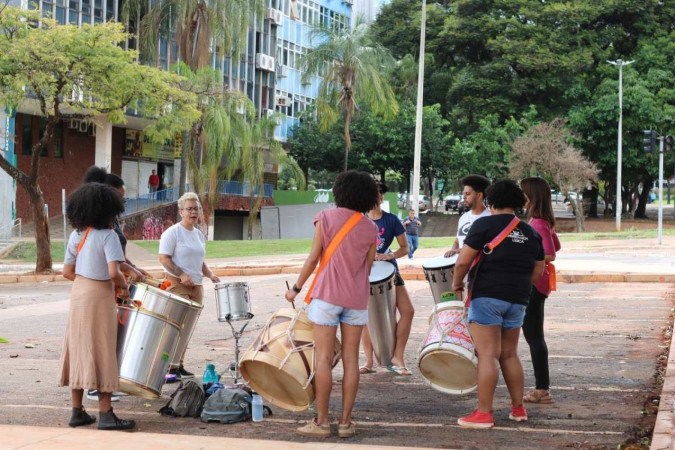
492 311
323 313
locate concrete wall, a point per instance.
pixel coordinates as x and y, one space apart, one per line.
290 221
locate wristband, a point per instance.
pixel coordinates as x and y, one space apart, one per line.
296 289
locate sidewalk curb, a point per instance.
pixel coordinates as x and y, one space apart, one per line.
409 274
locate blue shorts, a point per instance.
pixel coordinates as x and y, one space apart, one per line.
492 311
323 313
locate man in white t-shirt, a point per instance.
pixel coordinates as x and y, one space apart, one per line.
474 199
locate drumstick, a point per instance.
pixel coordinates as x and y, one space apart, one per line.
289 288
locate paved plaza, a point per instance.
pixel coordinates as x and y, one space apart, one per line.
607 342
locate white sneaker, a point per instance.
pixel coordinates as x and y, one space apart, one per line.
92 394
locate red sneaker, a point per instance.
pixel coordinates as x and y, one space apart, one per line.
518 413
477 419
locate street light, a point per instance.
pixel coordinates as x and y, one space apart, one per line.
415 190
618 209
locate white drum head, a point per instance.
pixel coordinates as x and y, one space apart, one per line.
381 270
440 262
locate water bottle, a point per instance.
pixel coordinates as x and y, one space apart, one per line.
257 403
210 374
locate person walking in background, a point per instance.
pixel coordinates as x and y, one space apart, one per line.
388 228
340 295
182 248
93 257
500 291
153 184
540 215
474 187
412 226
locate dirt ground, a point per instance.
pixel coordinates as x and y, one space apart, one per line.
605 343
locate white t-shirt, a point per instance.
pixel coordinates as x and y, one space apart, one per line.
100 248
465 222
186 248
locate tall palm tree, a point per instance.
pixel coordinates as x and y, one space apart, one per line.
353 68
260 147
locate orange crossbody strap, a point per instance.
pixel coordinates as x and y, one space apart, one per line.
339 236
84 238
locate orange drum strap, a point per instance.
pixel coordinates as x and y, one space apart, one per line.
346 228
487 249
84 238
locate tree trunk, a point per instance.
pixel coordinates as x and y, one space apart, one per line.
578 210
43 263
348 138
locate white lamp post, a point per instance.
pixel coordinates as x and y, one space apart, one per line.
418 117
618 208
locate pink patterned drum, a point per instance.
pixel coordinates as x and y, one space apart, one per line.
447 358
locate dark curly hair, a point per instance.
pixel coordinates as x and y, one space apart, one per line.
95 205
476 182
505 194
355 190
96 174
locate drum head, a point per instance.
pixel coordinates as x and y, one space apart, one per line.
168 295
440 262
227 285
448 371
381 270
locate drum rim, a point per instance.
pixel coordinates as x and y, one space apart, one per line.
172 296
122 379
222 285
386 278
152 314
439 258
447 305
436 346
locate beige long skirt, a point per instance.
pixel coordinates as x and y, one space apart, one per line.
89 358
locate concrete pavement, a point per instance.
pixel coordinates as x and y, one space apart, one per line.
633 260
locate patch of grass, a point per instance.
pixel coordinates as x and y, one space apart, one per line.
26 252
233 249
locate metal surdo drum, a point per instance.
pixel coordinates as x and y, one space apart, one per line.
382 310
279 365
233 301
439 272
180 311
447 360
146 343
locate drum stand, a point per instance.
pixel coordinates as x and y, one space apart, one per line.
234 366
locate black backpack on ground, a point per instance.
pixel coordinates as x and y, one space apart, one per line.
186 401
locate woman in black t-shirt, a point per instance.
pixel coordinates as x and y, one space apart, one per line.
501 290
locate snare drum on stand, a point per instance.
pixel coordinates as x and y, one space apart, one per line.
382 311
232 304
439 272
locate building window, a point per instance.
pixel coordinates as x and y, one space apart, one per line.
26 136
57 141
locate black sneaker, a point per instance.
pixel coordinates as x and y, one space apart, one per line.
92 394
80 417
182 373
109 421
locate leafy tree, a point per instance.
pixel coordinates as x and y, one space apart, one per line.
544 150
82 73
351 65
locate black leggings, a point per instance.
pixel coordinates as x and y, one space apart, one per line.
533 330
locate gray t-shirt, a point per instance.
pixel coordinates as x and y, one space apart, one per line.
100 248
